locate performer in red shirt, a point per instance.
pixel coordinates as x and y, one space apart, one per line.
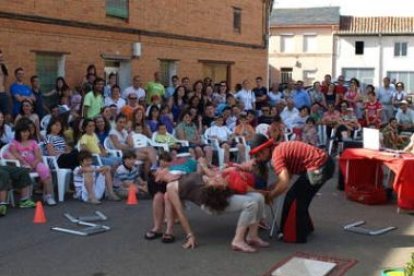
314 167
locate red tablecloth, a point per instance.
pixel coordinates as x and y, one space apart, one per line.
366 160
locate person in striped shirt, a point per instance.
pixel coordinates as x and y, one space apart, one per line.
314 167
128 174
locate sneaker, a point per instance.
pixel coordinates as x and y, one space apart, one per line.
3 210
27 203
49 200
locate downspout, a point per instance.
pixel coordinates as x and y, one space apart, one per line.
268 7
381 60
334 57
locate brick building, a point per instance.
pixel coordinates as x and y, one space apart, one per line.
223 39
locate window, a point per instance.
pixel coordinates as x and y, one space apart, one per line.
286 74
168 68
237 20
364 75
359 47
309 76
117 8
406 77
287 44
400 49
309 43
48 68
217 71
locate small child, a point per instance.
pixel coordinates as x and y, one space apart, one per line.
127 174
90 181
164 137
309 132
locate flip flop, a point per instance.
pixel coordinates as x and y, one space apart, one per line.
152 235
168 238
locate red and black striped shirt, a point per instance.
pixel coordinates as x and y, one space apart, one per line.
297 157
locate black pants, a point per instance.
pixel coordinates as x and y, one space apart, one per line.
296 222
68 160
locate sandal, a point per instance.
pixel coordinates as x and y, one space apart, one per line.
168 238
243 248
152 235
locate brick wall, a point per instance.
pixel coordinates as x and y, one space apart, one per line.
210 19
20 39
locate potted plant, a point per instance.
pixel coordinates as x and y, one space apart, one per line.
407 270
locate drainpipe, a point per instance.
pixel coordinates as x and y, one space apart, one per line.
334 57
381 60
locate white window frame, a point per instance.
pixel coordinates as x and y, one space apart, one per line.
308 47
398 49
283 48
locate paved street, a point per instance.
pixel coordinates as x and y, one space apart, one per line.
28 249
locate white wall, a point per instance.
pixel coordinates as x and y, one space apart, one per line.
346 58
319 60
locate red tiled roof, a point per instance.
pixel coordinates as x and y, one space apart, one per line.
376 25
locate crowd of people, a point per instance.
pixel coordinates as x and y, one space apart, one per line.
80 126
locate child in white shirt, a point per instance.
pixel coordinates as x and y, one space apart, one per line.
90 181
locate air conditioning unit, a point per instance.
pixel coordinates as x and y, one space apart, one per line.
136 49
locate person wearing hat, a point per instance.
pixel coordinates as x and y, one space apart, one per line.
405 117
313 166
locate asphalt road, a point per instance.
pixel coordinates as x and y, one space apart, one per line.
33 249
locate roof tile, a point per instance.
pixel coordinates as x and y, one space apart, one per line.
376 25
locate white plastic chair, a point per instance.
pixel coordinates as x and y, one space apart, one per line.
141 141
220 151
62 175
17 163
263 129
45 121
183 143
95 156
109 148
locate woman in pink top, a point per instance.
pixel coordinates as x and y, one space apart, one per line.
26 150
352 95
331 118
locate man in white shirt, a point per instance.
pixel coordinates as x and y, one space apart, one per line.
405 117
225 139
246 96
289 113
385 94
136 88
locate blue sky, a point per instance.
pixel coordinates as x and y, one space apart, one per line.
356 7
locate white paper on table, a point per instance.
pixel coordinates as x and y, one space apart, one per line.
371 138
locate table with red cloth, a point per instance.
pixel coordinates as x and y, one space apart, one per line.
362 167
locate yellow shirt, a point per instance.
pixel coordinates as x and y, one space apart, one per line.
91 143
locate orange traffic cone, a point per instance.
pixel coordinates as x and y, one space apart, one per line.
39 216
132 195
